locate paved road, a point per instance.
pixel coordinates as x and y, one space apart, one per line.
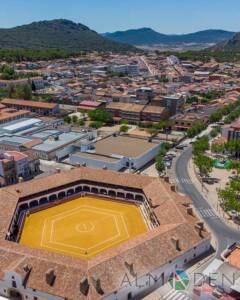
224 234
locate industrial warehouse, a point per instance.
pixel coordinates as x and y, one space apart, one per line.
78 234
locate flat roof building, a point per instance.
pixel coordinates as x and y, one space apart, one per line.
116 153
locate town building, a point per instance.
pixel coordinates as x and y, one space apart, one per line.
112 153
41 108
174 103
186 121
136 113
10 114
15 166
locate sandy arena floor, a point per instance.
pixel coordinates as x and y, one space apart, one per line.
83 227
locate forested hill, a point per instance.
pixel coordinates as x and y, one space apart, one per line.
57 34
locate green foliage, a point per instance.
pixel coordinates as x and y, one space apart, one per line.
201 145
160 166
8 73
74 119
96 124
214 132
204 164
100 115
81 122
67 119
217 148
207 55
229 196
54 39
22 91
192 99
124 128
195 129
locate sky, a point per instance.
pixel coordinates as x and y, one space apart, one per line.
166 16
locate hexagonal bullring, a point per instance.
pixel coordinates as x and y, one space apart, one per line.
83 227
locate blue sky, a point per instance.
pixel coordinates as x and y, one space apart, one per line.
166 16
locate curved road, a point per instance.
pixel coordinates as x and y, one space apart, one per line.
224 234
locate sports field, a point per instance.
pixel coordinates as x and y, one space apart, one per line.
83 227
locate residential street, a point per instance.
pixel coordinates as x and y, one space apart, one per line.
223 233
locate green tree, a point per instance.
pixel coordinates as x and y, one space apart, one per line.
100 115
74 119
81 122
204 164
160 166
67 119
201 145
124 128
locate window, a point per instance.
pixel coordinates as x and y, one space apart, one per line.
14 284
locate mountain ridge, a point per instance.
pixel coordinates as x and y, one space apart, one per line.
59 34
148 36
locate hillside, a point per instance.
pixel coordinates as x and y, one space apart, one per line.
60 34
147 36
230 45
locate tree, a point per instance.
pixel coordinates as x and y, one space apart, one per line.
124 128
160 166
204 164
201 145
67 119
96 124
81 122
74 119
24 91
152 131
100 115
217 148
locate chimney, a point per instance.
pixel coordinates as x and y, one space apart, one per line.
50 277
199 226
84 286
78 165
176 243
190 210
97 286
166 178
130 269
173 188
58 170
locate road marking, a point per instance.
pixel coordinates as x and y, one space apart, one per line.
175 295
207 213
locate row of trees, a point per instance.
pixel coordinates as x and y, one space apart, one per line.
207 55
230 196
74 120
160 165
9 73
195 129
19 55
232 146
99 118
220 113
203 162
